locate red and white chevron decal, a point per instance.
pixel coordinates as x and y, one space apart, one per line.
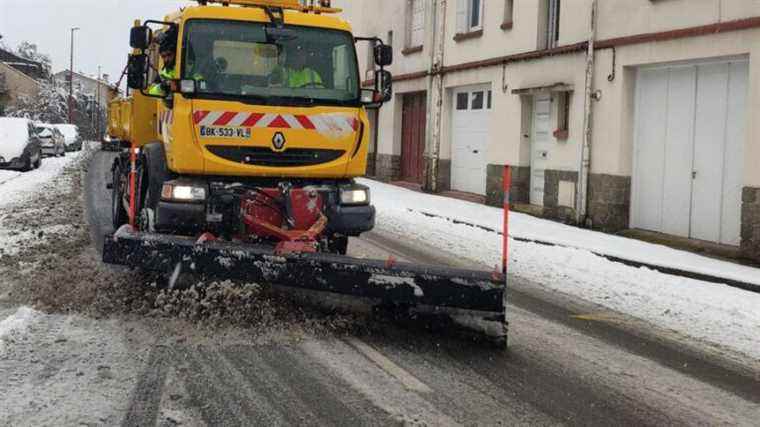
329 123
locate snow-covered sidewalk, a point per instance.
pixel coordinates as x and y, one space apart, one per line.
17 186
711 312
20 188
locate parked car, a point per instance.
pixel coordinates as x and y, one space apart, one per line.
20 147
71 135
53 142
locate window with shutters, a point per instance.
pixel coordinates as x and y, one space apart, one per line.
548 26
415 25
469 17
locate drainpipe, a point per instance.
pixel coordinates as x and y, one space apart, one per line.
435 91
584 169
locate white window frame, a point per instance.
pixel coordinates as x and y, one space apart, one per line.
549 17
410 42
465 11
552 23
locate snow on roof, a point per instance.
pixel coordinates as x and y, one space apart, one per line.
14 134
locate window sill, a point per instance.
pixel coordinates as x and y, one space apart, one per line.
411 50
469 35
507 25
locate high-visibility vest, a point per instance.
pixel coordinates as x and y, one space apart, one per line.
304 77
164 74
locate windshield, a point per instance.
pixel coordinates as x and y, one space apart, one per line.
249 60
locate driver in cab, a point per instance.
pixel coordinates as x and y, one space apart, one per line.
297 74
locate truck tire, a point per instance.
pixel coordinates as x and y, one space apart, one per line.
338 244
119 215
153 175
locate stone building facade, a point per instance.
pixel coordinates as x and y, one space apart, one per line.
613 114
18 77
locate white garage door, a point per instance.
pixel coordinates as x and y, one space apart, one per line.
470 124
689 140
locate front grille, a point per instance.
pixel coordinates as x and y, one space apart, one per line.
263 156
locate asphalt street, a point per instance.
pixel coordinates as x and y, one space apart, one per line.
568 362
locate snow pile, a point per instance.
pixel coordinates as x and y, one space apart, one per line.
14 135
711 312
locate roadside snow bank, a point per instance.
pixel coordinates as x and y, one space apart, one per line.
532 228
17 187
715 313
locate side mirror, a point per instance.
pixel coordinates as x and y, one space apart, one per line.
383 91
383 55
139 37
137 72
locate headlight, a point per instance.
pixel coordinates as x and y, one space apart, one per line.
173 192
354 196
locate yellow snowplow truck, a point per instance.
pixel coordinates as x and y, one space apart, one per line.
239 161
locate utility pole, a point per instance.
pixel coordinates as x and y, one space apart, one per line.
97 108
71 78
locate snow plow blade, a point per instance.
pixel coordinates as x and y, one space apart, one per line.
398 283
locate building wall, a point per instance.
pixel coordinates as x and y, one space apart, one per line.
615 74
17 84
87 85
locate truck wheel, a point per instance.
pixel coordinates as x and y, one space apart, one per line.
338 245
154 174
119 215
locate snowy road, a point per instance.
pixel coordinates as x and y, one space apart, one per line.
103 348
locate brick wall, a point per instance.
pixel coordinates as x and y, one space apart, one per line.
609 202
520 188
552 208
387 167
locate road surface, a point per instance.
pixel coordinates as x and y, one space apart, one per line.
100 352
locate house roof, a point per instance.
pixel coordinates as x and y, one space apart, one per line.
31 68
62 75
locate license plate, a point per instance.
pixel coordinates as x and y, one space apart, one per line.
224 132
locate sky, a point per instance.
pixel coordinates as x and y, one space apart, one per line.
104 36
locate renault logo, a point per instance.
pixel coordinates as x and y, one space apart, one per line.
278 141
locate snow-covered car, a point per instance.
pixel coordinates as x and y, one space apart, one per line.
20 147
53 142
71 135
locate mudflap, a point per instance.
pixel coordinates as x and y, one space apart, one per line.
469 293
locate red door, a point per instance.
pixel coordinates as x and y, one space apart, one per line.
413 124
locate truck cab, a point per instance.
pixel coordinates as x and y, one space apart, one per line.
266 94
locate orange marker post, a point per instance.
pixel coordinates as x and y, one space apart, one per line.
132 184
507 178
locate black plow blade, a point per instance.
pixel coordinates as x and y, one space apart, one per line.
430 287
